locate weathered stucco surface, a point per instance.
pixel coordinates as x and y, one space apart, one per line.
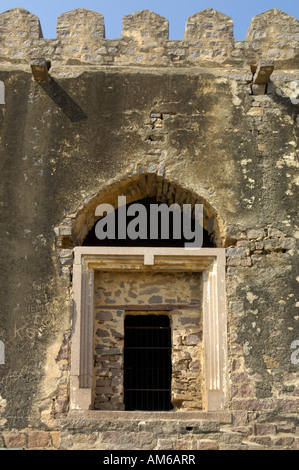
176 120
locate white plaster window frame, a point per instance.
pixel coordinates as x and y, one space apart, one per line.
209 261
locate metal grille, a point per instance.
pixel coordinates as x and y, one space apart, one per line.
147 363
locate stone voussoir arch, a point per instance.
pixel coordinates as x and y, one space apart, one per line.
73 228
76 258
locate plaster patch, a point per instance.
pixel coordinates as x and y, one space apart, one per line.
246 349
288 160
296 180
53 378
286 222
236 100
251 297
52 370
245 161
250 202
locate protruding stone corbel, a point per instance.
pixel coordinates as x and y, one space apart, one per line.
261 75
40 68
263 72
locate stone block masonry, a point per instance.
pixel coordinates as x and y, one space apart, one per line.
208 40
168 432
186 327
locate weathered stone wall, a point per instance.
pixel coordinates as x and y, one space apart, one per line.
144 116
208 40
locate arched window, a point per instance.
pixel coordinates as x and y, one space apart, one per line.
123 287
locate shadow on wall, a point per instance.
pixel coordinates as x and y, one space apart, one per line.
68 106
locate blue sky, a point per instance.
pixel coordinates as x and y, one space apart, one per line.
176 11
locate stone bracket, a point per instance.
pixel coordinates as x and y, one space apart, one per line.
40 68
261 76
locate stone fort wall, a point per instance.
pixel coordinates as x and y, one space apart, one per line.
208 40
207 119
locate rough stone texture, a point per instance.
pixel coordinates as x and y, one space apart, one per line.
80 24
186 337
274 34
141 116
145 26
208 40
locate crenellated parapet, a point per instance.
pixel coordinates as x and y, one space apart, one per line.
209 35
274 35
208 40
80 25
145 25
209 25
19 31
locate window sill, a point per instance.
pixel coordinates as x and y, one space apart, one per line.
92 416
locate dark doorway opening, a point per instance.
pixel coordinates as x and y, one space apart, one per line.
147 363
